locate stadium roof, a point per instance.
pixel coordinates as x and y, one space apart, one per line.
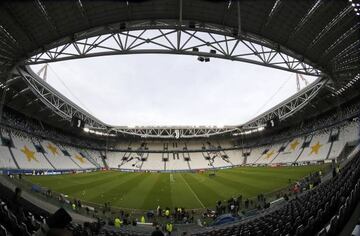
322 34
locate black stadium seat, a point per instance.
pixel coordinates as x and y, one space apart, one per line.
3 231
309 213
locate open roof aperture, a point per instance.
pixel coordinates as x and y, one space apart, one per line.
168 90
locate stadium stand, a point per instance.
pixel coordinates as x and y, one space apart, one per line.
27 157
29 151
177 162
6 160
291 152
57 156
154 162
318 38
319 124
320 140
323 209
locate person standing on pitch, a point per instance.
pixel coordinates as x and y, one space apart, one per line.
169 228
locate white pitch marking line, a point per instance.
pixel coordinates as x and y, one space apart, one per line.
192 191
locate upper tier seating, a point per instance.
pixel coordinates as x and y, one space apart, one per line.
27 152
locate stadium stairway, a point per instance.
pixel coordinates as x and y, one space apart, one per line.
302 150
330 148
70 157
13 157
226 158
277 154
36 143
141 165
104 162
10 142
6 160
91 160
48 160
188 163
144 158
262 154
347 151
186 158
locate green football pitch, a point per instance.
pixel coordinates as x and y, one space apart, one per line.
190 190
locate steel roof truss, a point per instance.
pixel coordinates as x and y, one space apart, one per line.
201 42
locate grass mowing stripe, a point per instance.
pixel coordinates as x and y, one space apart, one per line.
74 188
179 194
68 181
112 189
240 187
250 187
118 194
222 190
191 190
159 194
208 195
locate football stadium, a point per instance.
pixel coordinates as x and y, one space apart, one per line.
180 117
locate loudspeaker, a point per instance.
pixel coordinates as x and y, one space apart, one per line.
77 123
272 123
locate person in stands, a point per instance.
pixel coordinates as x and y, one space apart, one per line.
59 232
157 231
117 223
16 204
55 225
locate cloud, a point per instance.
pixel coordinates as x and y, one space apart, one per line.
168 90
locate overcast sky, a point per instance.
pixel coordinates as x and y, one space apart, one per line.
157 90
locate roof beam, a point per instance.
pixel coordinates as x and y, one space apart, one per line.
308 15
218 43
329 26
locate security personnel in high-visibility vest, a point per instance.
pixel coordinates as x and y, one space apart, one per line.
167 213
73 206
142 220
117 223
169 228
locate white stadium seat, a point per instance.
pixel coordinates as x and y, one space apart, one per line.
26 155
320 148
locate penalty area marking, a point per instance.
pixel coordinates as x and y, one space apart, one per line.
196 196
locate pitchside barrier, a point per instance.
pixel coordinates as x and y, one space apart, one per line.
44 172
176 171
